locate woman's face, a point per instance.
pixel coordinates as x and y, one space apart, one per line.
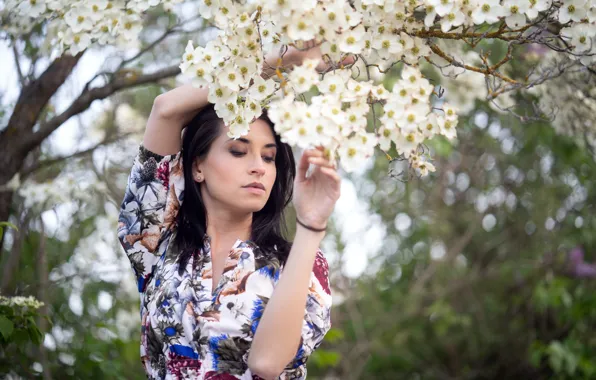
231 165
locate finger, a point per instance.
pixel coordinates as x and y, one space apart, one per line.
321 161
302 167
328 155
313 153
331 173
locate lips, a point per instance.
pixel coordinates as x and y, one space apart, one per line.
256 185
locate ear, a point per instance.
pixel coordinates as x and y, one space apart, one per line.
197 174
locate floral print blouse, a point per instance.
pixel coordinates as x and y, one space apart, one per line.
188 329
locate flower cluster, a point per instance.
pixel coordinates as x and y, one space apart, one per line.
577 16
337 118
47 195
380 33
30 302
78 24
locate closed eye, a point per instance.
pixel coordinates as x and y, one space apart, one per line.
240 154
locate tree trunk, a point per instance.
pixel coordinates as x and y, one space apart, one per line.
11 263
19 138
30 104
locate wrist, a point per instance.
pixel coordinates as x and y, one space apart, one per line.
309 226
304 233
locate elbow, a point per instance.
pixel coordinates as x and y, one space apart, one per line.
264 370
265 373
162 107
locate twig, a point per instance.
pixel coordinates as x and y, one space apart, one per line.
52 161
89 96
17 63
452 61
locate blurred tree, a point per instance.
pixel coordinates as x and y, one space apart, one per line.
39 110
477 278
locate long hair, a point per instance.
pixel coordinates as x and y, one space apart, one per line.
268 224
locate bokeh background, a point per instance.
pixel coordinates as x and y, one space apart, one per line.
486 269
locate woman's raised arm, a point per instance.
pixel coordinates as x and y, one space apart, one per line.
170 113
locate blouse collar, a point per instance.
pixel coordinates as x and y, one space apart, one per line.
238 243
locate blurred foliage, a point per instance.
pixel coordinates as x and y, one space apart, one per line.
500 299
18 329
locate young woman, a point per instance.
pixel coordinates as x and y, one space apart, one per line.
223 294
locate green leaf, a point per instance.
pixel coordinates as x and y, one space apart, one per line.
35 335
6 327
20 337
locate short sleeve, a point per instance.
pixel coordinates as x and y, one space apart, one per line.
317 319
153 195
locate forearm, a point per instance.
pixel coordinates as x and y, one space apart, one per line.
171 111
278 334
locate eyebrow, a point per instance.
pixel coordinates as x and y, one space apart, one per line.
247 141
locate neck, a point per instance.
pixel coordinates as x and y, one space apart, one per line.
224 228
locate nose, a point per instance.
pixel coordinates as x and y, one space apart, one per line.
258 166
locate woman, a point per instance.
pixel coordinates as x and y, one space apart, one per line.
223 294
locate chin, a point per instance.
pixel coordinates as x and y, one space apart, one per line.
251 205
257 206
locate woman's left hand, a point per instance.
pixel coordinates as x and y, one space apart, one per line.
315 195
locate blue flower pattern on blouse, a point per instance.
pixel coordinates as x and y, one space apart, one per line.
188 329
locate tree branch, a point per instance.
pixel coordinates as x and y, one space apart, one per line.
35 95
437 50
87 97
51 161
17 64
